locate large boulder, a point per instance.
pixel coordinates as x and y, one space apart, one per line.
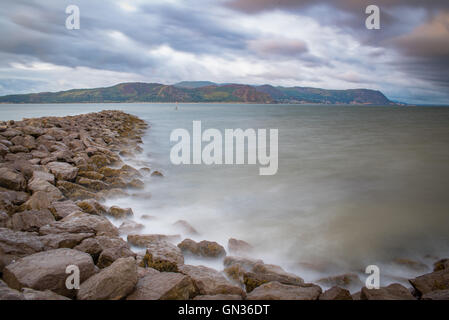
52 192
144 240
349 281
209 281
112 248
62 170
47 270
31 220
278 291
6 293
438 280
31 294
120 213
11 179
436 295
164 286
43 175
62 209
112 283
240 247
163 256
394 291
203 248
80 222
64 240
441 265
336 293
91 206
16 244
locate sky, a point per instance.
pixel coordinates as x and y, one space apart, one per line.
307 43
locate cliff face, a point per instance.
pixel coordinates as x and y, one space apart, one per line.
203 92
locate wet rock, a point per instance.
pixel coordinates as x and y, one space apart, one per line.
278 291
63 170
30 294
185 227
438 280
91 246
62 209
129 172
120 213
64 240
38 201
113 193
31 220
12 179
394 291
136 184
164 286
239 246
95 185
47 270
203 248
246 263
144 240
441 265
110 172
349 281
75 192
100 161
92 206
129 226
112 283
436 295
156 174
336 293
219 297
4 218
209 281
162 256
91 175
79 222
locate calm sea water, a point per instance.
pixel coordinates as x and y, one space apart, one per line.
356 185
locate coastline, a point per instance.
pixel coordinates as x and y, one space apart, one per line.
55 174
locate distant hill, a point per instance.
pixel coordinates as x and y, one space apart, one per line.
203 91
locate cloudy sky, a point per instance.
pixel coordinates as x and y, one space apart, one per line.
280 42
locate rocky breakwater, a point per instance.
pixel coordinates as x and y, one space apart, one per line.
55 174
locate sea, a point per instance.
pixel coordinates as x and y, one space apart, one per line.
355 185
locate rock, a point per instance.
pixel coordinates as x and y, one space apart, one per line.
113 193
47 270
203 248
79 222
33 131
6 293
100 161
144 240
12 179
91 206
64 240
164 286
110 172
3 150
112 283
356 296
136 184
31 220
246 263
30 294
436 295
4 218
53 193
238 246
438 280
63 170
42 175
95 185
18 149
10 133
219 297
185 227
16 244
209 281
62 209
264 273
162 256
120 213
394 291
156 174
112 249
91 246
412 265
129 172
91 175
128 227
441 265
278 291
336 293
349 281
75 191
38 201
